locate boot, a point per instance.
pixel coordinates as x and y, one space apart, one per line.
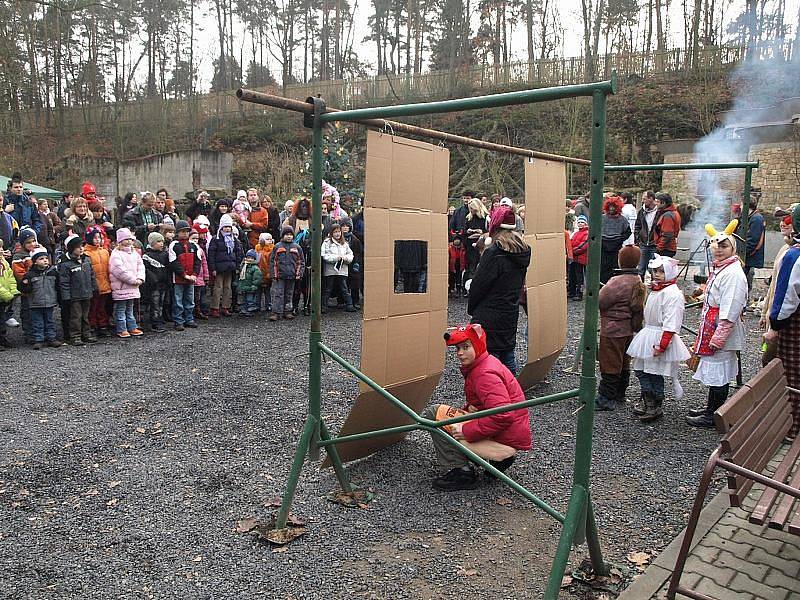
215 313
460 478
501 465
696 412
603 404
622 386
640 406
653 410
716 398
274 317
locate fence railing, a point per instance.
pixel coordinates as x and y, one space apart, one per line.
394 87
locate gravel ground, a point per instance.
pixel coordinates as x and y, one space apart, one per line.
124 468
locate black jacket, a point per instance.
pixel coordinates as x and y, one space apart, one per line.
157 270
494 295
134 221
41 287
458 223
76 278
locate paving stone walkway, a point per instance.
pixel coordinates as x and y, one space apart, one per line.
731 559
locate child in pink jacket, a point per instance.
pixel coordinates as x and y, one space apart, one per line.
203 275
126 271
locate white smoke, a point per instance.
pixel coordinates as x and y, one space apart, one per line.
753 84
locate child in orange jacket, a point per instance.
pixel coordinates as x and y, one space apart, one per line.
264 248
100 304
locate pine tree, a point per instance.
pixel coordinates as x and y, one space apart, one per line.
341 167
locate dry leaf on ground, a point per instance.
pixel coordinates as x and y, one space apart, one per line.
639 558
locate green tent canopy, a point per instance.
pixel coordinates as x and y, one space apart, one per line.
38 191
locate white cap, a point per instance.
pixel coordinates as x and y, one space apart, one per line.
241 194
504 201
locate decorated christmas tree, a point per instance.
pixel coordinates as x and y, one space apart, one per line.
341 167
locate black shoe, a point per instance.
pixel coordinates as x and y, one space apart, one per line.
603 404
706 421
103 333
37 345
191 325
90 340
696 412
179 327
159 328
460 478
54 344
78 342
501 465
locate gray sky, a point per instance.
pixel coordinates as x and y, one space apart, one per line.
570 18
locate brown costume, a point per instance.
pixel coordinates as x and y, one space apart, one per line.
621 315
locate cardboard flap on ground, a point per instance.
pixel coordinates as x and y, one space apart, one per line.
403 173
545 189
371 411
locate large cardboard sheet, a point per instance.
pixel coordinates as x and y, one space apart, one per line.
545 282
401 339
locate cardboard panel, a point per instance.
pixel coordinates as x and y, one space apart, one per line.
548 258
401 345
545 190
395 350
547 319
403 173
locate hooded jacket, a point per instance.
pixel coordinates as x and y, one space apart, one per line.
41 286
99 257
287 261
252 278
157 271
125 268
488 384
25 213
666 228
76 278
332 253
580 246
8 283
184 259
494 294
264 255
219 258
622 304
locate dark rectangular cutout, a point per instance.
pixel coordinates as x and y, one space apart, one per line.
410 267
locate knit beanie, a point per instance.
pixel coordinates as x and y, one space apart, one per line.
226 221
252 254
287 230
629 257
181 225
153 238
124 234
503 218
72 242
265 238
473 333
25 234
37 252
582 220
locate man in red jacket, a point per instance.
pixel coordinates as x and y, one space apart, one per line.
667 226
487 384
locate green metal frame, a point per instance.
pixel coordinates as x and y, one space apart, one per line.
579 522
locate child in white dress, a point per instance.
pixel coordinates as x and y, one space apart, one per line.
658 349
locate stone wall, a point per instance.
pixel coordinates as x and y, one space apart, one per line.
778 175
179 172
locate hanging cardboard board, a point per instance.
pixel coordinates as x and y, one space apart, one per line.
402 350
545 282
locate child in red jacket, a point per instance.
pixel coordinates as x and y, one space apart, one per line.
580 256
496 438
457 254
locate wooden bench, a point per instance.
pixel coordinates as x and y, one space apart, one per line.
753 425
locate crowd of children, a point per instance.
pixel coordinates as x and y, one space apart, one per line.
147 266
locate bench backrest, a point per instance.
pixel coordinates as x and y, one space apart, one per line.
753 423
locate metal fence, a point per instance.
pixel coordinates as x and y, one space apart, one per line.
387 88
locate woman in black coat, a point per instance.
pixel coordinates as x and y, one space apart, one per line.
495 289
